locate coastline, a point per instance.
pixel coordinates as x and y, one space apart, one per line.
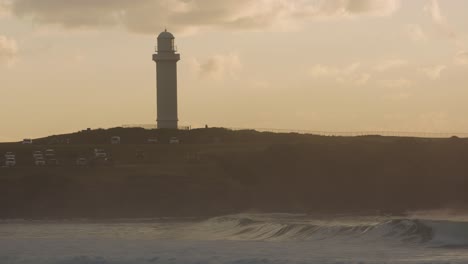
219 172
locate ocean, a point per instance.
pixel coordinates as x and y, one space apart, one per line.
238 239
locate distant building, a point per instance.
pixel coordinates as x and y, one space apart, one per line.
166 60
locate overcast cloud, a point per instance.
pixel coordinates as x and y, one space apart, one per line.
4 8
8 49
434 72
462 58
218 67
148 16
439 20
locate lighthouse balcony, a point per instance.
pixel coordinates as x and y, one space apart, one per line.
157 49
166 56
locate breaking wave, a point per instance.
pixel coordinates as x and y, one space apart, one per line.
435 233
237 239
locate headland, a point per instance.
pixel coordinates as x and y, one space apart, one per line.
215 171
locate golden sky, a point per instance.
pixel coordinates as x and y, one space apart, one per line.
328 65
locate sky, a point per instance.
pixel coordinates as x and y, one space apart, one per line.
319 65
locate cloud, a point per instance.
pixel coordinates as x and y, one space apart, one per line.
349 74
390 64
72 14
337 8
320 70
8 50
149 16
435 72
462 58
433 9
4 8
361 79
439 20
415 33
218 66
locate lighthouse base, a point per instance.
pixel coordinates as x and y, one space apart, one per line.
168 124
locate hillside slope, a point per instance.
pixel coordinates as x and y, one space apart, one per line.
217 171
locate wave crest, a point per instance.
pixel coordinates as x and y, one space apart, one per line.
251 227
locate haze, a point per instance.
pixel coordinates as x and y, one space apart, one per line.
334 65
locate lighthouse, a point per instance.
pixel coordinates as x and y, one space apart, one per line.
166 60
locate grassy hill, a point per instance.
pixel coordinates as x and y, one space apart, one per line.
217 171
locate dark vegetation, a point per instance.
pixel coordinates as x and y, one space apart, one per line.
217 171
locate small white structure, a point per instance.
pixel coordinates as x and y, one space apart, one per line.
40 161
166 59
10 159
10 155
174 140
37 154
152 140
10 162
115 140
49 153
100 153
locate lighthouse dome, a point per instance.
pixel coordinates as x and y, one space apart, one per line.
166 35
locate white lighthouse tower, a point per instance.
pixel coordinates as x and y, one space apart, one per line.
166 60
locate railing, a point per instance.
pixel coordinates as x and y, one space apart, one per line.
332 133
156 49
362 133
151 126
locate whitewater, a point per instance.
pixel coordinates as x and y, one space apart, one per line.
238 239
